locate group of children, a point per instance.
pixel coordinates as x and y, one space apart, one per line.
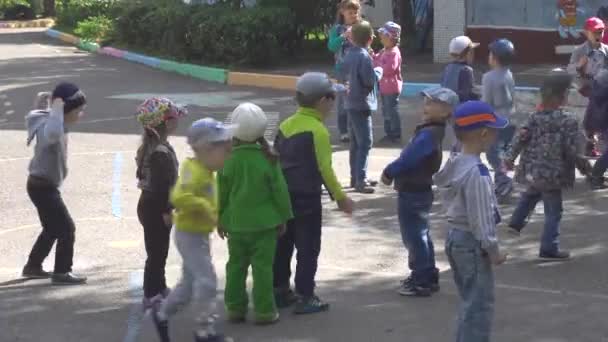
267 201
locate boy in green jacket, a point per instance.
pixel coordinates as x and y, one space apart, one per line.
254 206
305 154
194 199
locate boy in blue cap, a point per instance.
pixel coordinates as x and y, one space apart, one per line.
413 174
467 195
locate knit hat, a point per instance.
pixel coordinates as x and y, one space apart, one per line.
71 96
155 111
208 131
251 122
391 30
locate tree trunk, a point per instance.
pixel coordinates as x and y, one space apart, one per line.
403 11
49 8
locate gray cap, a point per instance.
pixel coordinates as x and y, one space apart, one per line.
208 130
556 83
317 84
444 95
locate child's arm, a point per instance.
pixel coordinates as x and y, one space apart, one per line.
323 154
54 130
162 176
184 197
421 147
570 140
335 40
521 139
367 75
223 190
486 90
481 211
466 80
280 193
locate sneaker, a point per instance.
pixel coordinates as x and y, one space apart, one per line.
407 281
364 189
285 298
212 338
344 138
35 273
236 317
162 326
268 320
367 182
557 255
513 230
67 279
310 305
415 290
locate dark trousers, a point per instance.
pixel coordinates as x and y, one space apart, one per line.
157 237
57 225
304 234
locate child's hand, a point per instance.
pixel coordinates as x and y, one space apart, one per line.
385 180
498 259
221 232
281 229
346 205
57 104
168 219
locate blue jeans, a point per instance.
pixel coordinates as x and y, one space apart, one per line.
552 201
361 137
474 279
342 114
390 112
414 208
496 152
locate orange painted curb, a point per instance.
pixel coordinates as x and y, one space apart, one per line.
280 82
27 24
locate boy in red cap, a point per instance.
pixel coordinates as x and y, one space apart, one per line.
586 62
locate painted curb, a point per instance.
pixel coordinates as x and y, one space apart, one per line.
27 24
280 82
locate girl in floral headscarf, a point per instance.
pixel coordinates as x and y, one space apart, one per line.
156 172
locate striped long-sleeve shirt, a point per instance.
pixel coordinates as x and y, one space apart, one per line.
468 197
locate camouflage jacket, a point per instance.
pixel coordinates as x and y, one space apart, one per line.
547 144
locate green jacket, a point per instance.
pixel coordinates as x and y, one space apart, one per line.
306 155
194 198
253 194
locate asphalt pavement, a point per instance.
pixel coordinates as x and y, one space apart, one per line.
362 258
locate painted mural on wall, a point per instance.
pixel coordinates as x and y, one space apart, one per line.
565 16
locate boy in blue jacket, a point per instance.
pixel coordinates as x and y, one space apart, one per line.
412 174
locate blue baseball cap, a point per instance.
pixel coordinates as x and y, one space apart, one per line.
208 131
477 114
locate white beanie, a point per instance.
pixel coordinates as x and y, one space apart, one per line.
251 122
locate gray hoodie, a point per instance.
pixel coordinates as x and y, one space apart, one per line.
50 154
467 196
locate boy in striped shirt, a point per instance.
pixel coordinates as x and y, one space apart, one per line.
467 194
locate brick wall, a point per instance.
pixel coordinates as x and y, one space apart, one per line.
449 22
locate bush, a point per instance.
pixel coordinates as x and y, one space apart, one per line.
16 10
71 12
206 34
95 29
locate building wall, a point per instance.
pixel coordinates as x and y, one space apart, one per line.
449 22
380 13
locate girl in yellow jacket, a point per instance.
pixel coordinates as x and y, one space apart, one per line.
194 199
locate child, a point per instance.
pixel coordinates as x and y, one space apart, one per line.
156 174
467 194
361 100
458 75
602 13
597 116
47 171
413 175
391 84
498 89
305 154
547 144
585 63
349 14
194 199
254 206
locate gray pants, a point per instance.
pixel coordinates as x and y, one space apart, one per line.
198 280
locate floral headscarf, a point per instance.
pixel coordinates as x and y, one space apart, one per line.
155 111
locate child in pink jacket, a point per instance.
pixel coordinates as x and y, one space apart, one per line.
391 84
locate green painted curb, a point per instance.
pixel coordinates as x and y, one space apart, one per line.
88 46
207 73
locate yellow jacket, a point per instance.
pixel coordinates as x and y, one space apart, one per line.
194 198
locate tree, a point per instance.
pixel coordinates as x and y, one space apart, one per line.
49 8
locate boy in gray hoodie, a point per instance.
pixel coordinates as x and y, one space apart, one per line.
468 197
47 170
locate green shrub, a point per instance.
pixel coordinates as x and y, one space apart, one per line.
71 12
15 9
212 35
95 29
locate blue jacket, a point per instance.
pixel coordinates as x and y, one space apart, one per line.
362 80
